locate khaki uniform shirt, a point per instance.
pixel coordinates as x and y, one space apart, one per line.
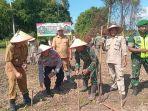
16 55
61 45
116 48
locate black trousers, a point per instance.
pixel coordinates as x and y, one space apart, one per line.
47 81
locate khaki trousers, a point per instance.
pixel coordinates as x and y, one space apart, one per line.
22 83
66 63
115 71
66 67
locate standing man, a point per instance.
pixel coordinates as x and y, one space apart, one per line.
115 47
61 45
16 58
138 45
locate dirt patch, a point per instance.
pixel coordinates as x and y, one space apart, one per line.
68 100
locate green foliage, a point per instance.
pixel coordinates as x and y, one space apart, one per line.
124 11
29 12
108 2
5 19
3 43
89 22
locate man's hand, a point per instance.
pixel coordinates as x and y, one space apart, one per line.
125 61
144 50
18 75
76 71
24 66
86 71
41 86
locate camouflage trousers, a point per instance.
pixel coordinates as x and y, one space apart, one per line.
92 76
137 62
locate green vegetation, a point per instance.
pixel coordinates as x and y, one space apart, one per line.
3 43
89 22
27 13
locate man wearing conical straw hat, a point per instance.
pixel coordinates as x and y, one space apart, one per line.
49 60
15 58
87 54
115 47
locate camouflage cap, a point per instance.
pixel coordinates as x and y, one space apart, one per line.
142 23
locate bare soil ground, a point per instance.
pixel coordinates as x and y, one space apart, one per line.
70 99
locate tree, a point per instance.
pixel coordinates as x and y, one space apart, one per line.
109 4
89 22
27 13
5 19
123 12
30 12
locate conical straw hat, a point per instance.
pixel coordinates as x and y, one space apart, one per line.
43 48
119 29
31 39
77 43
20 36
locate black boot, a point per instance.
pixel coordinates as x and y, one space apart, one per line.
58 88
135 90
85 86
92 92
12 105
69 79
26 99
49 93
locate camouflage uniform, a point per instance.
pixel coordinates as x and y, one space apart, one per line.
137 61
90 62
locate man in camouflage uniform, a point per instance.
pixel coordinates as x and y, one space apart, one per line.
87 54
138 45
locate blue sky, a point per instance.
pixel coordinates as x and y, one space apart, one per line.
78 6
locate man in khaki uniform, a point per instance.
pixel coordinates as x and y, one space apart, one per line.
15 58
61 44
115 47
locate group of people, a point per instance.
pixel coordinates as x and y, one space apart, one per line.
57 57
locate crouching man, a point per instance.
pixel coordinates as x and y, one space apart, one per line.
88 56
49 60
15 58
